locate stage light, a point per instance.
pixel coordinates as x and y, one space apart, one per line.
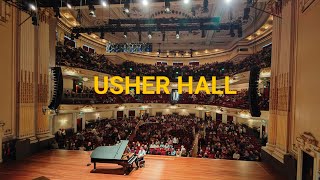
205 6
203 33
167 6
125 34
246 13
92 11
177 35
228 1
102 35
34 19
69 6
32 7
240 31
126 7
57 12
104 3
186 1
149 35
77 35
232 34
145 2
139 33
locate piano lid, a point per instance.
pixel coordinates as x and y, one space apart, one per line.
110 152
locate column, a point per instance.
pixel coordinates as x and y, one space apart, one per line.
235 119
224 118
83 121
280 83
74 121
214 116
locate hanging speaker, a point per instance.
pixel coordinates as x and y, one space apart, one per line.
253 92
57 88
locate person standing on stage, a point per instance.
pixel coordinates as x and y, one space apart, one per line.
141 155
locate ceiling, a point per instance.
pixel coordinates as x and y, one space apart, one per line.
187 40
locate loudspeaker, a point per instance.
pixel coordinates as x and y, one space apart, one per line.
57 88
253 92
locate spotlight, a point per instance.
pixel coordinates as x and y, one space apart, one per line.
77 35
139 33
57 12
92 11
149 35
186 1
232 34
145 2
126 7
102 35
125 34
205 6
32 7
240 31
203 33
104 3
167 6
34 19
246 13
177 35
69 6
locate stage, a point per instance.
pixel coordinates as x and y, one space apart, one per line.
63 164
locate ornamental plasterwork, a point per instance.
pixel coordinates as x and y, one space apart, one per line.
308 142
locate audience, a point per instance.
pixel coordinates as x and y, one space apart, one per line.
172 135
79 58
239 100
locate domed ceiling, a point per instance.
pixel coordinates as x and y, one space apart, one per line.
211 39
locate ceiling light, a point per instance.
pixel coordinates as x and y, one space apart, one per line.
85 79
33 7
92 11
145 2
102 35
186 1
228 1
167 6
104 3
69 6
126 7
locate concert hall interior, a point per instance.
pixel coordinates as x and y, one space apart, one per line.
98 89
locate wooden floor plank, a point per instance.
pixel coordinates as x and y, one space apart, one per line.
61 164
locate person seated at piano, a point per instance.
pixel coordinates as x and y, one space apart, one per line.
128 150
141 155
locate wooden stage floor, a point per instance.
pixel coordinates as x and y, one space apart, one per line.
72 165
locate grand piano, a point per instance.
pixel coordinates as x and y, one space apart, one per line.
115 154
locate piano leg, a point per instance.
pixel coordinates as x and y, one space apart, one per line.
94 166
